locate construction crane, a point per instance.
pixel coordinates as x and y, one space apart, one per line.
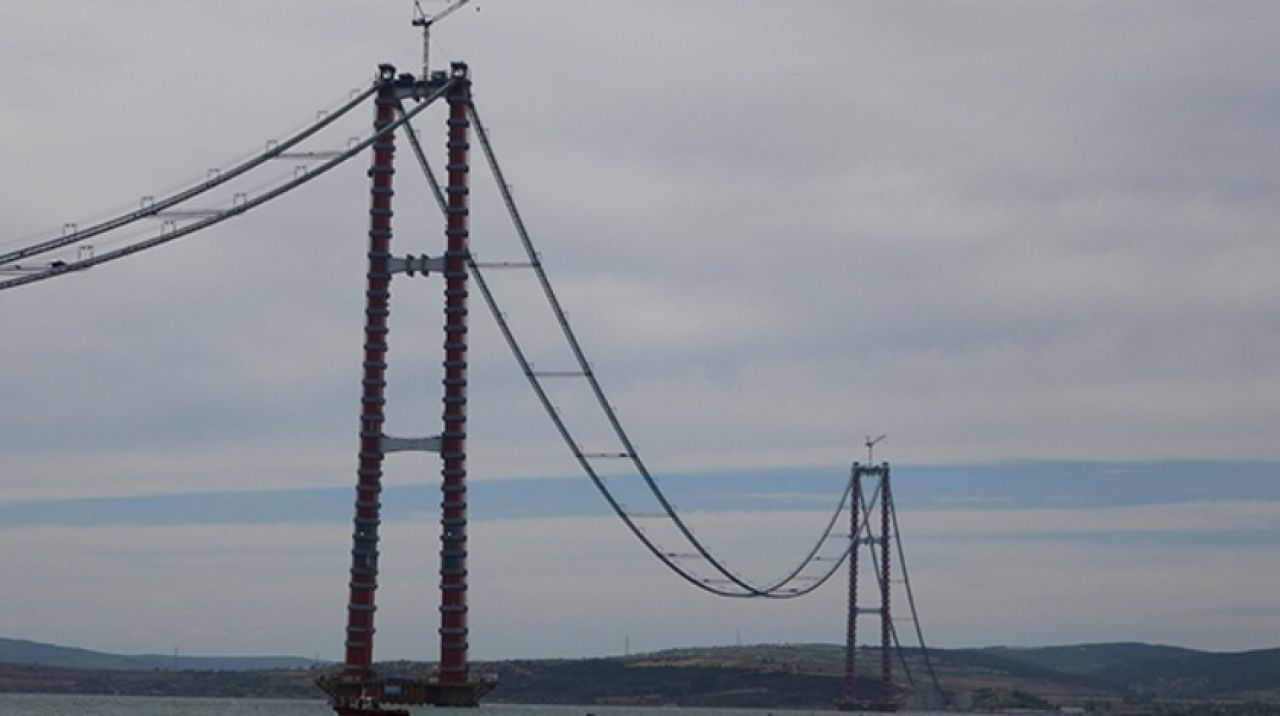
871 444
423 21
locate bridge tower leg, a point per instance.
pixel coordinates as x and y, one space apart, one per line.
364 553
456 686
851 619
862 532
887 696
355 690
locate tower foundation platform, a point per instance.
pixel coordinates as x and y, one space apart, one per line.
371 695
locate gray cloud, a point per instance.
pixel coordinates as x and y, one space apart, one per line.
906 209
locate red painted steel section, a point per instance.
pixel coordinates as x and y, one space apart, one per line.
886 625
364 553
453 520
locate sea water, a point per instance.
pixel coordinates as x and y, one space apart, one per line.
93 705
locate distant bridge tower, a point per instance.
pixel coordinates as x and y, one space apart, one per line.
862 531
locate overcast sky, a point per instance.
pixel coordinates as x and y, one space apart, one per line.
1003 233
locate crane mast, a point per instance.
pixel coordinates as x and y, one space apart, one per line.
421 19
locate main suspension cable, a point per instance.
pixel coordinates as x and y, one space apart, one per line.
153 208
744 588
235 210
575 347
911 601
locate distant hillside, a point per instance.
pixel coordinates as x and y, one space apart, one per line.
1091 659
634 682
1163 671
1126 678
284 684
20 651
1251 673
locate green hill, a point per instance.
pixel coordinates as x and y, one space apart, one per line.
1120 678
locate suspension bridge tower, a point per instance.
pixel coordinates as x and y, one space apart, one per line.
358 690
863 531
